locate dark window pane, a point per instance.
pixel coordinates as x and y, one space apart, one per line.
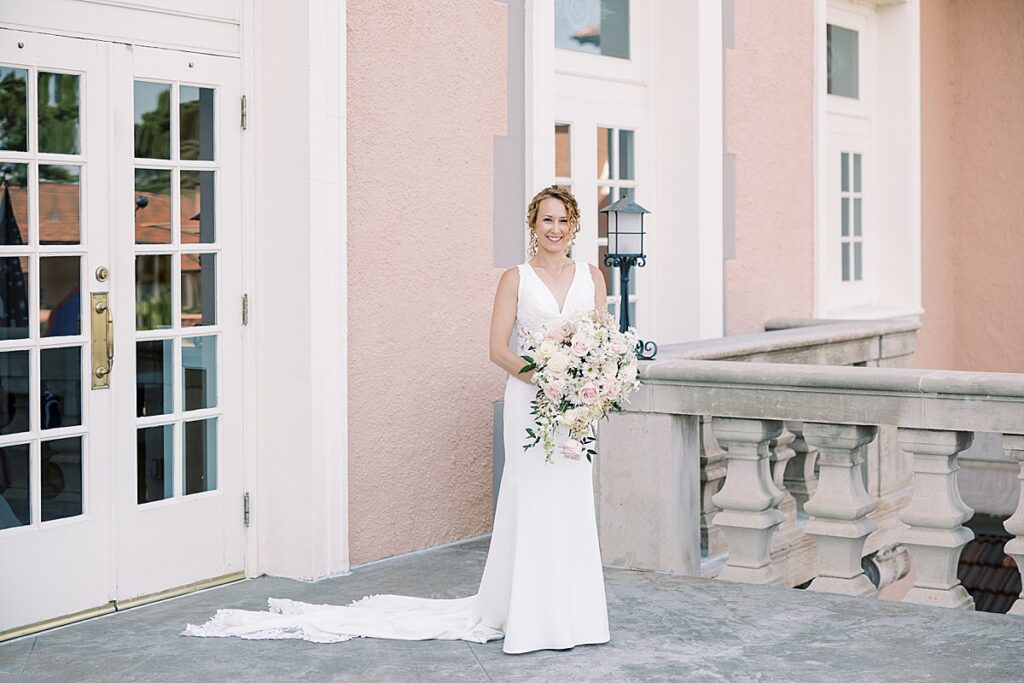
14 406
153 368
199 371
61 478
200 456
59 296
197 202
13 297
152 120
15 509
60 374
196 122
843 65
152 206
846 261
154 463
152 291
58 113
60 212
14 201
13 109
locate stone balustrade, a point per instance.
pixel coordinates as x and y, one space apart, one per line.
765 415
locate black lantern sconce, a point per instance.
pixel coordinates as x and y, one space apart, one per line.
625 250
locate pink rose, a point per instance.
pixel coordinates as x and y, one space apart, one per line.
553 390
556 334
589 393
611 387
618 347
572 449
580 346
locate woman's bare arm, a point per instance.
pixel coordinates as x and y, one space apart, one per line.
503 321
600 289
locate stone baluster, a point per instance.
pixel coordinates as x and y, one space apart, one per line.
936 514
749 500
781 453
801 479
712 474
839 507
1013 446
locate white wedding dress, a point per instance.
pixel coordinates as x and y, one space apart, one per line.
542 585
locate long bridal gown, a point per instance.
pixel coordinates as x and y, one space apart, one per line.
542 585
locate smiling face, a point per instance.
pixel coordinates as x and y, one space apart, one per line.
552 226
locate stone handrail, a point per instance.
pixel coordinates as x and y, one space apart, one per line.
648 471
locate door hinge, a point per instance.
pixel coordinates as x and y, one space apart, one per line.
245 309
245 509
245 113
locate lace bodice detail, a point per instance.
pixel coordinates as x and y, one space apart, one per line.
537 305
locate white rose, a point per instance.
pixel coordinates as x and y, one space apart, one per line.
547 348
559 363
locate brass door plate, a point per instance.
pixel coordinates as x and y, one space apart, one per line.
102 340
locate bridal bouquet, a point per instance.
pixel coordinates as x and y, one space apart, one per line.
584 369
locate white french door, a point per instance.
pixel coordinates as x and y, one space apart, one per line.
120 329
597 147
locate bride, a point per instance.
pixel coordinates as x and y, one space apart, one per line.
543 584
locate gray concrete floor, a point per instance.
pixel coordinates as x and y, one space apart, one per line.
663 628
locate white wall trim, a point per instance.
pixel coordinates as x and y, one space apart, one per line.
298 310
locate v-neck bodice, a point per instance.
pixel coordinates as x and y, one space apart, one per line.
537 304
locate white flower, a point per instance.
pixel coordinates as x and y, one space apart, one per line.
559 363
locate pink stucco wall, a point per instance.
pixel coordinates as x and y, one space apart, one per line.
972 205
769 121
426 95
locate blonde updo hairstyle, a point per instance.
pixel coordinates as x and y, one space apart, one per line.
562 193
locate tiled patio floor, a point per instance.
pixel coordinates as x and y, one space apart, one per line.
663 628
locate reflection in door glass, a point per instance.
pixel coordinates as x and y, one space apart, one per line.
152 291
152 120
59 296
154 473
599 27
61 478
13 203
15 509
152 206
13 297
153 363
13 109
197 214
563 149
14 404
58 113
196 122
199 372
198 289
59 204
626 155
200 456
60 393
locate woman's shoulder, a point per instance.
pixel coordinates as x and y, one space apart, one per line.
595 272
509 277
